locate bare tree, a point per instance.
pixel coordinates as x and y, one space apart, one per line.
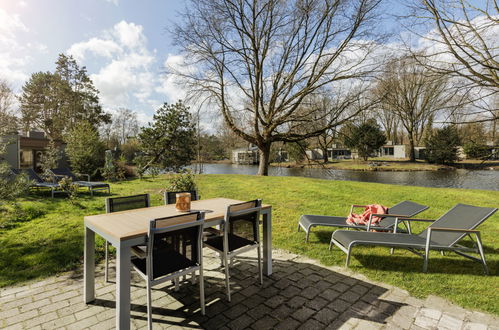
8 121
464 42
390 123
259 61
415 95
125 124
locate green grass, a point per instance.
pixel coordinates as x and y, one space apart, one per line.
49 239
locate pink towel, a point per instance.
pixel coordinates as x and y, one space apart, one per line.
363 219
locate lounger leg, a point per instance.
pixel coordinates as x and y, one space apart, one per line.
427 251
299 227
307 235
331 243
482 255
347 262
106 275
392 250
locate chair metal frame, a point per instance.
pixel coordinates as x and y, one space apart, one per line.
149 276
228 256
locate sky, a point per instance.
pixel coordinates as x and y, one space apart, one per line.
123 43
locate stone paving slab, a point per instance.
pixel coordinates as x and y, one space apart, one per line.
301 294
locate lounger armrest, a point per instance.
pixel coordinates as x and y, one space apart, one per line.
454 230
83 174
355 205
416 219
386 215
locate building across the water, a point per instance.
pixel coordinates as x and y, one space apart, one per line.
245 156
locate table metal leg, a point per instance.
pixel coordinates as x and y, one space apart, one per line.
89 266
123 287
267 241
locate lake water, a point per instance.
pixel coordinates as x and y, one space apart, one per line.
476 179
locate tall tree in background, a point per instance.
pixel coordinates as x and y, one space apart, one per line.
56 102
44 103
84 148
464 41
414 95
260 61
366 138
125 124
463 44
170 140
8 121
83 101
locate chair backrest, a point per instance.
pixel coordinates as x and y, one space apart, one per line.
170 197
461 216
64 171
242 219
406 208
174 243
116 204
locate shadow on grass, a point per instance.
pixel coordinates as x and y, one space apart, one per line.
296 290
448 264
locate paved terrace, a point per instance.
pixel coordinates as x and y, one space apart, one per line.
300 294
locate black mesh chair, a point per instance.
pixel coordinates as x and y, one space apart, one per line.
116 204
240 233
170 197
165 260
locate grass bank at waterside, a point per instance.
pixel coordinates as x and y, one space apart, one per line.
45 236
392 165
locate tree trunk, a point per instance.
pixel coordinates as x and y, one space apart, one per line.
324 155
263 167
412 152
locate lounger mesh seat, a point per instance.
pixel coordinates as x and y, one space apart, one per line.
443 235
91 185
38 182
405 208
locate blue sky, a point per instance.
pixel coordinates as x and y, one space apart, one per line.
123 43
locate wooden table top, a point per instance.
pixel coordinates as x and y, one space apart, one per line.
135 223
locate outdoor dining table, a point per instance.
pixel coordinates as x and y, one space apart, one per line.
128 228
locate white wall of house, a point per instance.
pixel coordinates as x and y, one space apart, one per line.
399 151
12 152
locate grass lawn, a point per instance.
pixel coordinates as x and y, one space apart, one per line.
47 235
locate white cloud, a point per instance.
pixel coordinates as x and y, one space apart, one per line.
127 77
115 2
96 46
15 56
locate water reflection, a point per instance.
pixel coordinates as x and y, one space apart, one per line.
488 180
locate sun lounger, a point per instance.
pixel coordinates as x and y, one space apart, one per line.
37 182
92 186
442 235
403 209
